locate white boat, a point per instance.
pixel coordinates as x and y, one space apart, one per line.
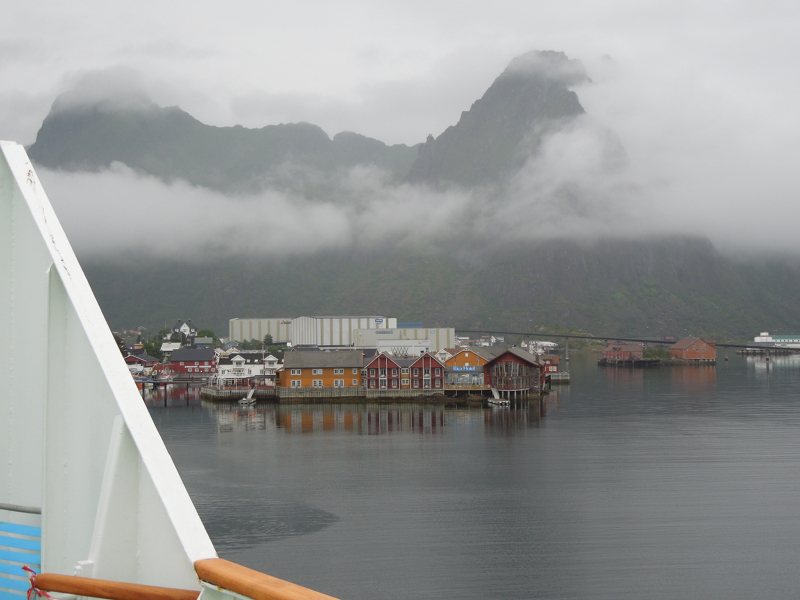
247 400
495 402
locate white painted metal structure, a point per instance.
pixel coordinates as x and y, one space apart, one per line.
76 440
82 465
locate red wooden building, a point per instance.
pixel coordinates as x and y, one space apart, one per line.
193 361
694 349
382 372
426 373
549 363
514 370
621 351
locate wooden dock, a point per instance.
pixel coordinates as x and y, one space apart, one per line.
225 395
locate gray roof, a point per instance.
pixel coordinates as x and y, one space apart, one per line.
193 354
323 359
518 352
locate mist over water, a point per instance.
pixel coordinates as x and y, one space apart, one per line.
657 483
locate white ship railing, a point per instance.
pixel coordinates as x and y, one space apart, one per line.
80 458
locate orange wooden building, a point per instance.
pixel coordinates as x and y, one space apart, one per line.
693 348
316 369
468 357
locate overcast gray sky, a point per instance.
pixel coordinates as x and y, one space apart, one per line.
704 96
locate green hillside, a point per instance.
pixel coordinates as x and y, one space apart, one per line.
671 286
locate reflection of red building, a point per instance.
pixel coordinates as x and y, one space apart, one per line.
618 351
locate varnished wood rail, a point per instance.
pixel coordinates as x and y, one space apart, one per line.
250 583
111 590
216 571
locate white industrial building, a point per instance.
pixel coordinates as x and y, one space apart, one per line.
434 338
315 331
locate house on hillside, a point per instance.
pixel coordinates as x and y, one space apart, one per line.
203 342
695 349
186 328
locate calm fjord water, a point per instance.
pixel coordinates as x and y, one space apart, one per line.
662 483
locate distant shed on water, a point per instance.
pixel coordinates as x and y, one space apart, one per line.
615 351
692 348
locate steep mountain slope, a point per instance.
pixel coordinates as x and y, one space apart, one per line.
502 129
170 144
494 138
673 285
667 286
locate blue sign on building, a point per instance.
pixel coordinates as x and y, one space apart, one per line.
464 368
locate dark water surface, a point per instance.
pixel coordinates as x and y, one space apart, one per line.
661 483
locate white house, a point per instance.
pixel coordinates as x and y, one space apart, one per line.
237 367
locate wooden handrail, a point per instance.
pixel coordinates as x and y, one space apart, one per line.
111 590
250 583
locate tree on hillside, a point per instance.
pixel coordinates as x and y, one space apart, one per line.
207 333
123 349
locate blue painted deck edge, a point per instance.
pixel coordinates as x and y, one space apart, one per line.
23 544
28 530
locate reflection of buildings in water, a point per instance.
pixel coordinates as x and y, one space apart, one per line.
695 377
366 419
232 417
172 395
506 420
624 376
762 365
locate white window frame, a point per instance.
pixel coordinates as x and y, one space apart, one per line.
297 371
404 382
316 371
317 383
404 371
338 383
394 372
296 383
415 384
338 371
355 371
355 381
